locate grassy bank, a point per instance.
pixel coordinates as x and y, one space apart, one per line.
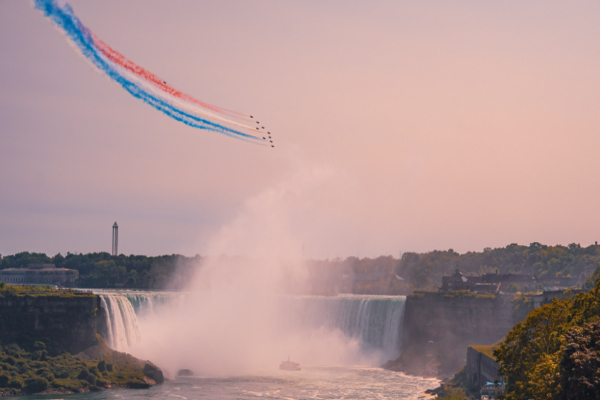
29 369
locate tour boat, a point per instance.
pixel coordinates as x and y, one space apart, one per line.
289 365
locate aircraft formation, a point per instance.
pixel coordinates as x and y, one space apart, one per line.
148 87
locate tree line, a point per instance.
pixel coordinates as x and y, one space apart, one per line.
381 275
102 270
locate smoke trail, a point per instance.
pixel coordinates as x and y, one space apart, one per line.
146 86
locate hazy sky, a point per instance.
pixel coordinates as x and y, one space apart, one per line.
399 126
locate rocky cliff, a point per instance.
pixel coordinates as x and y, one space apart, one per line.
68 322
437 328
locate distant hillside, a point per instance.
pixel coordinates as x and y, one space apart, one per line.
424 271
381 275
101 270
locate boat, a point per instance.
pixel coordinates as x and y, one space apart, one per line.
289 365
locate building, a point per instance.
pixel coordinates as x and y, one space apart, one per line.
523 281
488 283
457 281
39 274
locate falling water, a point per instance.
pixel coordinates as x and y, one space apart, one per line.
375 321
121 322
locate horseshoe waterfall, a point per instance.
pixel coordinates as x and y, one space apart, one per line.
373 321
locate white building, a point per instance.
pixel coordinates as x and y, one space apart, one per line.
39 274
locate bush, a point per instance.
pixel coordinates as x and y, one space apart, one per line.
102 366
39 345
83 374
514 288
109 367
4 378
62 373
16 382
44 373
35 385
94 371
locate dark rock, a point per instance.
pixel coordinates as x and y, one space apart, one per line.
154 373
185 372
66 322
138 385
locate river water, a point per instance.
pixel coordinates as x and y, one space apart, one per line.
340 382
368 326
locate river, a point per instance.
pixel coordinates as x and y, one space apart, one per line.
340 341
340 382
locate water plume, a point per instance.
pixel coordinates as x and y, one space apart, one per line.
237 316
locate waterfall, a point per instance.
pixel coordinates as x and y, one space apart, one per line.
121 322
375 321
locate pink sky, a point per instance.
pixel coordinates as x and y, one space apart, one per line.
417 125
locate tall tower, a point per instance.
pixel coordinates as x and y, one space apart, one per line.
115 244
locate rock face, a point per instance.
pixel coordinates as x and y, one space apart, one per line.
70 322
185 372
437 328
438 318
154 373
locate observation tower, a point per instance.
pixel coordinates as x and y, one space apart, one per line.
115 240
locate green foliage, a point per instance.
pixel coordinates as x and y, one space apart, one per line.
35 291
459 387
39 345
419 271
580 362
83 374
425 271
458 294
35 384
453 393
554 353
591 280
20 372
102 366
4 379
514 288
522 306
94 371
16 382
487 350
102 270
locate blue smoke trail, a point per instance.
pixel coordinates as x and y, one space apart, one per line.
65 19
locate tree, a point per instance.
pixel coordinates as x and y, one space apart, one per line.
580 362
514 288
555 352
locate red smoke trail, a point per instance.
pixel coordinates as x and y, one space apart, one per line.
129 65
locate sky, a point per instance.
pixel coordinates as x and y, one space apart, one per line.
399 126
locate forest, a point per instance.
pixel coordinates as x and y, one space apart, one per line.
102 270
381 275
